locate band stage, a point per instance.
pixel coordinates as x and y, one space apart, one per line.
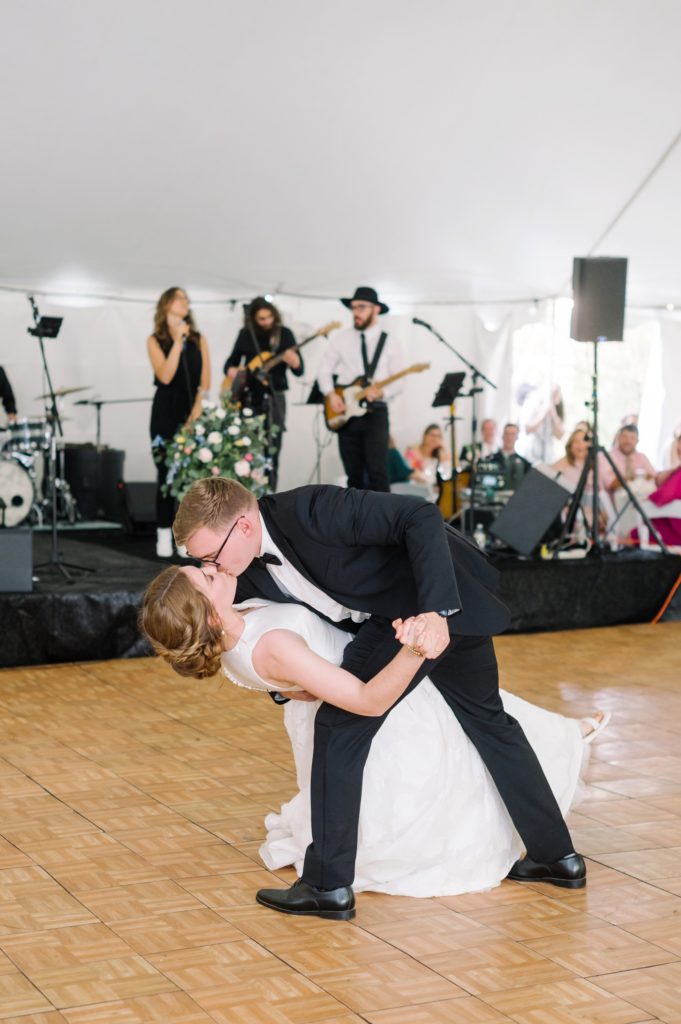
95 616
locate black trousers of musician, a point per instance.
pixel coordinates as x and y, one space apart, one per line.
165 504
363 444
467 677
276 418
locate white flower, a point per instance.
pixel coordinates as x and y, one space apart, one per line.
207 404
246 412
233 431
236 422
243 441
215 437
242 468
220 414
199 429
258 474
205 455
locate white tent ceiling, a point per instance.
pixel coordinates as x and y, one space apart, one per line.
443 150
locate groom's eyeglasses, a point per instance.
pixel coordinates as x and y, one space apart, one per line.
215 559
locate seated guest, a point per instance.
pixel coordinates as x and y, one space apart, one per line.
632 464
511 464
431 458
399 471
569 468
482 449
668 490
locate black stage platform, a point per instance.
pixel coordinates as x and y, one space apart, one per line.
95 616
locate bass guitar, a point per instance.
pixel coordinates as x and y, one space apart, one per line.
260 366
354 394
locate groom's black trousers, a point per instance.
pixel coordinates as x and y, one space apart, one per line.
468 678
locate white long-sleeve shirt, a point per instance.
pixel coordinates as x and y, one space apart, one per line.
343 357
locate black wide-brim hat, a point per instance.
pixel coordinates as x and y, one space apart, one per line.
364 294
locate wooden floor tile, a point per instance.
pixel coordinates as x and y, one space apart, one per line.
19 996
183 929
64 947
564 1002
466 1010
100 981
162 1008
656 991
496 966
600 951
387 984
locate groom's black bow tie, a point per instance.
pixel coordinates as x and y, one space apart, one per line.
267 559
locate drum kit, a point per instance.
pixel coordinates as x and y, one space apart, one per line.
32 470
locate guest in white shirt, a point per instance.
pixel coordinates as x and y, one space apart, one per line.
362 351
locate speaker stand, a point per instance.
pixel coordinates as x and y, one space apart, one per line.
590 467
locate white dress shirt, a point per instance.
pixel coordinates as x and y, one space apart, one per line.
293 584
343 357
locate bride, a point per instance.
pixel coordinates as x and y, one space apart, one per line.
431 822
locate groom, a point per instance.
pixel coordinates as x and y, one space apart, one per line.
363 559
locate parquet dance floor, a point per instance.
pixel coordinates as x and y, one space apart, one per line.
131 810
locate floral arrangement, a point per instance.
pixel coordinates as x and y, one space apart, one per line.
225 440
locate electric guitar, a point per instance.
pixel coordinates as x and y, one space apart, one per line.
263 363
354 394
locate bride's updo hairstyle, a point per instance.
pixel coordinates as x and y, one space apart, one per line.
182 625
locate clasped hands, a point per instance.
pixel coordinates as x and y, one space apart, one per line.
425 634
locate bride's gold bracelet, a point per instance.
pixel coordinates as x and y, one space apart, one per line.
413 650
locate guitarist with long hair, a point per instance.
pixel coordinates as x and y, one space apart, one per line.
263 333
363 351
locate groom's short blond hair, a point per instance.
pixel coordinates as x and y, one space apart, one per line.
212 502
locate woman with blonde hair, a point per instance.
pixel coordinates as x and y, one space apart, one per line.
432 822
179 357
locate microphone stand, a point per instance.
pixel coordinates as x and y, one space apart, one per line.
476 375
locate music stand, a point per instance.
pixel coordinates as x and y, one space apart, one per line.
447 393
48 327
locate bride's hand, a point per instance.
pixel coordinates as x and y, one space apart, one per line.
410 632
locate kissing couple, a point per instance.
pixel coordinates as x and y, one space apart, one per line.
372 621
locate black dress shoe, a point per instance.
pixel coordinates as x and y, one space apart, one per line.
304 899
569 872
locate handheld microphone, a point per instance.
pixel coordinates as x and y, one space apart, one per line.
421 323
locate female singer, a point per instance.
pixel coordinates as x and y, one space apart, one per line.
181 364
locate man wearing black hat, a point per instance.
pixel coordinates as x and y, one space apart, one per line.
365 351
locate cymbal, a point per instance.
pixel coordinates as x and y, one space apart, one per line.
60 392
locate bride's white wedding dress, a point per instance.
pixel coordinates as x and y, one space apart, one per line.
431 822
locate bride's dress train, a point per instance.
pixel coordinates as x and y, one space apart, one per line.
431 820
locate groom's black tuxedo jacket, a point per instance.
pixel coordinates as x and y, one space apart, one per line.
386 554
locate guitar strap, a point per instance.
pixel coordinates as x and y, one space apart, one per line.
370 367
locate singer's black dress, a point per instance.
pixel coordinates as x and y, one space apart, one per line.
171 407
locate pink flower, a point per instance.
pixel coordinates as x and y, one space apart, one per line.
249 457
189 449
215 471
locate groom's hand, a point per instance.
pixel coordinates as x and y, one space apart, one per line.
433 633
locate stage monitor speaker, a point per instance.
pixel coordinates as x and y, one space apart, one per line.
16 561
523 522
599 286
138 506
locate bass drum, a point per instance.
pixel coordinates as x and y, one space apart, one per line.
16 491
